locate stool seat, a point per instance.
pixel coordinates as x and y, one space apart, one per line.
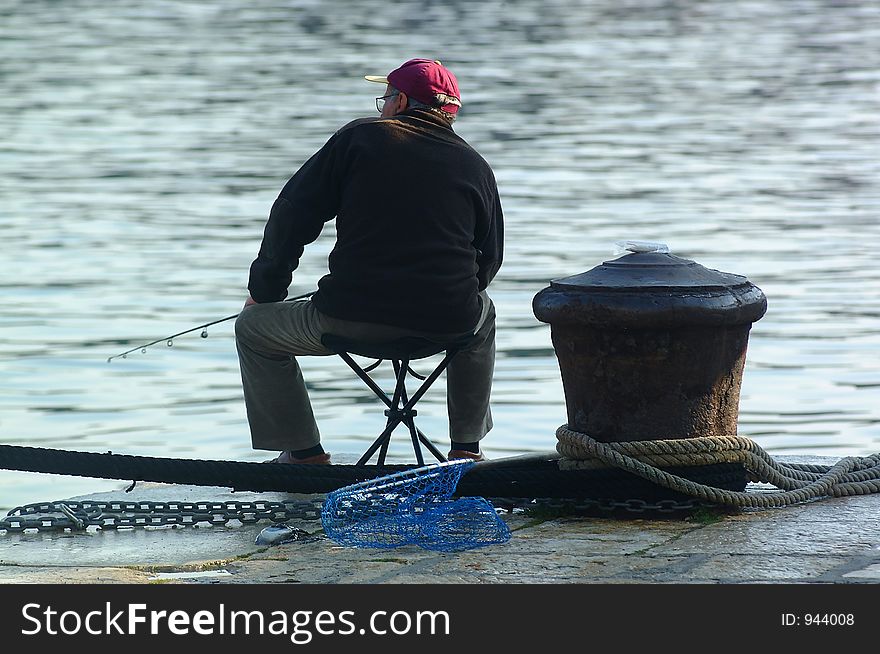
408 348
401 408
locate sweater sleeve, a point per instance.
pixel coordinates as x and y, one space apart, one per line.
490 250
308 200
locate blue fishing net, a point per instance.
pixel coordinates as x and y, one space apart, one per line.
413 507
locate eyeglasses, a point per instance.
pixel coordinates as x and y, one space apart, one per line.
380 102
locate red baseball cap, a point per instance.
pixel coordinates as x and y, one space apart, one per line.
429 82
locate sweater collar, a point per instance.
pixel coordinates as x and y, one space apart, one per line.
428 116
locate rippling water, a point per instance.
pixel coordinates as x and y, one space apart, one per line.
142 144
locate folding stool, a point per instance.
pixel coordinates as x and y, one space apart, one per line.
401 409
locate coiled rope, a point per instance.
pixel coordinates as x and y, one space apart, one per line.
799 482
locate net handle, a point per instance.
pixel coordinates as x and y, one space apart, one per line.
403 477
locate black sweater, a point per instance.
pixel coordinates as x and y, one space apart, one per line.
419 225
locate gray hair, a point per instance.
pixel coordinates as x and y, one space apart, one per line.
412 103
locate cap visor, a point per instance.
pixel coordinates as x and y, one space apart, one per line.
381 79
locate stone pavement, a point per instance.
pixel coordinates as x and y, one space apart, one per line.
831 541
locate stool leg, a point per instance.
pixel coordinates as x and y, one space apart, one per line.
384 449
427 443
403 368
430 380
418 395
415 441
399 395
373 386
395 404
383 438
391 425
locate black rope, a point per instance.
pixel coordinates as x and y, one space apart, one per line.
531 477
547 480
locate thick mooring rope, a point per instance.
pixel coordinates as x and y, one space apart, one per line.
799 482
532 477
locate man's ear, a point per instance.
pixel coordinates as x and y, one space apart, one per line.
402 101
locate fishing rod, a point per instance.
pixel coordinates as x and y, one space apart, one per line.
169 340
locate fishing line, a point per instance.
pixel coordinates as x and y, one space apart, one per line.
169 340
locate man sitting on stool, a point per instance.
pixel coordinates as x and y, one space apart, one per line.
419 238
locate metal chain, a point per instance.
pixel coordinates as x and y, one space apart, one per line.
79 516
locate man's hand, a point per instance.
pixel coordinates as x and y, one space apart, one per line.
249 302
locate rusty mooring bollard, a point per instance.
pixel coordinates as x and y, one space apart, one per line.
651 346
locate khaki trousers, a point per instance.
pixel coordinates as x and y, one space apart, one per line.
270 336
